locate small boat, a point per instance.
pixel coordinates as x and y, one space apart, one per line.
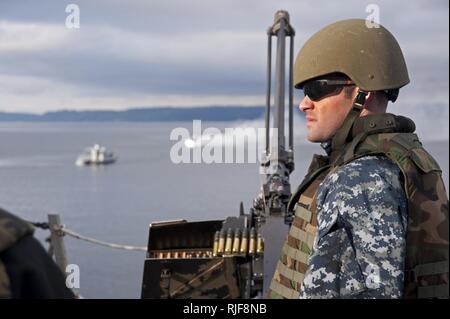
96 155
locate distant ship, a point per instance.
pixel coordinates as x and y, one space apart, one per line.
96 155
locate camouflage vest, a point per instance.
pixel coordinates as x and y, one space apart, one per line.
293 262
12 229
426 262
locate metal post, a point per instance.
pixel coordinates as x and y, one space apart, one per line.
57 241
279 85
268 88
291 94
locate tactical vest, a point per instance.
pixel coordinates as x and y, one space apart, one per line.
293 262
12 229
426 261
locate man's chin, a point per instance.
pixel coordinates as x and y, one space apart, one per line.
313 139
317 140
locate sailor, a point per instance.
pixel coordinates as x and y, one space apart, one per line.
26 270
371 216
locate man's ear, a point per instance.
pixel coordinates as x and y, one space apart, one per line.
369 98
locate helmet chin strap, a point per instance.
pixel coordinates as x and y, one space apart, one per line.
340 138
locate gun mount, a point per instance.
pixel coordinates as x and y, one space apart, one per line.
234 257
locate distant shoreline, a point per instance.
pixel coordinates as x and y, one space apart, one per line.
159 114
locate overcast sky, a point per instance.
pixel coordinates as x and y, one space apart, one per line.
187 53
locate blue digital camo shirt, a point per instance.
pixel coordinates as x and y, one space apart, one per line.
359 250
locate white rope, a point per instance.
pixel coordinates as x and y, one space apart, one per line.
69 232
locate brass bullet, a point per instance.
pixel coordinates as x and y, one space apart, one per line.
216 243
237 241
259 244
229 242
252 244
244 242
221 248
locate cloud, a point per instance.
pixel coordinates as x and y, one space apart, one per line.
26 37
180 53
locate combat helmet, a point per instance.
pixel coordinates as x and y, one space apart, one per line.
369 55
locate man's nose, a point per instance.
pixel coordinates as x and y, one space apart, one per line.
306 104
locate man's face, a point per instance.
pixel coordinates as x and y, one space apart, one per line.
324 117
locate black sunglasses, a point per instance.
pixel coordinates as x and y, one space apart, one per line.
319 89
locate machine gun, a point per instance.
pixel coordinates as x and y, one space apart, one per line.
234 257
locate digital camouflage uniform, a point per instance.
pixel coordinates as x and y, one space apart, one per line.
359 250
377 211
